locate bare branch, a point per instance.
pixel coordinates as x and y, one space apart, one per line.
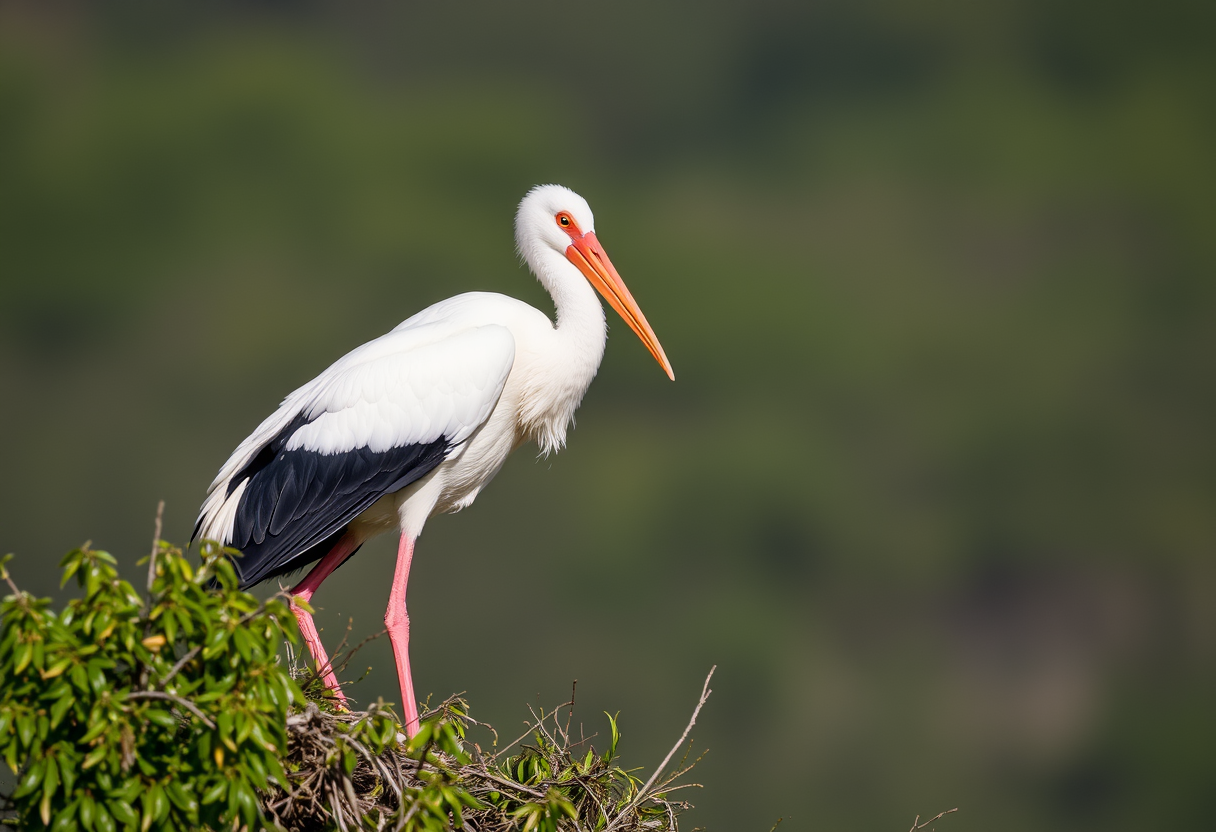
160 518
644 792
177 700
182 662
916 824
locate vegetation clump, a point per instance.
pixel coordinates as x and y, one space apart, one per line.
442 780
127 712
174 711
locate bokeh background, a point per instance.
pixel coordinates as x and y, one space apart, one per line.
934 488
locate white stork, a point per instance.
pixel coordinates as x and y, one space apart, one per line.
419 420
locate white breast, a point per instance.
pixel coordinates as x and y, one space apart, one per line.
547 381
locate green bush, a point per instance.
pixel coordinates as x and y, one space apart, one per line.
126 713
175 712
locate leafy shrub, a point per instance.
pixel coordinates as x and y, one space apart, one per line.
126 713
174 712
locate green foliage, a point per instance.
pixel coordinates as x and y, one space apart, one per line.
589 789
174 712
559 783
121 713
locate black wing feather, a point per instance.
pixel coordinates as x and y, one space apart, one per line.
298 500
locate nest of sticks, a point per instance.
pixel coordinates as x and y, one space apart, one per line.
354 770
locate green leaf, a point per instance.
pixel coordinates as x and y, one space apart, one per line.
94 757
616 738
216 792
29 781
25 729
65 819
23 654
67 768
245 725
180 798
241 639
160 717
224 724
50 782
87 810
246 801
159 803
122 811
69 569
102 821
56 669
147 816
80 678
97 676
99 725
60 708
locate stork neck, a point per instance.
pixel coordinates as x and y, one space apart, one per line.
563 370
580 316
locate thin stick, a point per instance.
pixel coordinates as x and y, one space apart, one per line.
642 793
507 784
10 583
160 517
531 728
570 713
182 662
705 692
177 700
917 825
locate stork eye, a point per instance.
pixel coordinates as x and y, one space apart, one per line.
563 220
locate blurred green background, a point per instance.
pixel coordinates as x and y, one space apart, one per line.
934 488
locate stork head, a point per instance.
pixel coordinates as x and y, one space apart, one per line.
553 220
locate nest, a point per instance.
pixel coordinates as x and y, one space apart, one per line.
354 770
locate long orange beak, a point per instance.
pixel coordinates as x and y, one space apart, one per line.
589 256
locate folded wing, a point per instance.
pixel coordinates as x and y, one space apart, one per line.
379 419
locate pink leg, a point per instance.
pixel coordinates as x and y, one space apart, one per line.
397 620
305 589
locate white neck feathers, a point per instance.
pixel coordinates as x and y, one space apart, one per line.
559 377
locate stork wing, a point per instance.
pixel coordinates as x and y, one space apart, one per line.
379 419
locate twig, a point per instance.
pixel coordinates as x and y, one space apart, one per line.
519 787
643 792
670 789
917 825
177 700
350 654
705 692
531 728
182 662
570 713
160 517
